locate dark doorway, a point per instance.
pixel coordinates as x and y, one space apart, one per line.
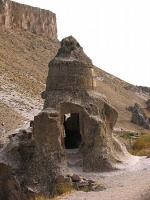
72 131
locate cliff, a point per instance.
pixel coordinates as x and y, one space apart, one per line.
22 17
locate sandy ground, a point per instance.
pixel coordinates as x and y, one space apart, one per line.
129 183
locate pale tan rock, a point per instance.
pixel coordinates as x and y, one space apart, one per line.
70 89
22 17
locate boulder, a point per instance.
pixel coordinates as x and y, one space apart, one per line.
75 178
139 117
15 161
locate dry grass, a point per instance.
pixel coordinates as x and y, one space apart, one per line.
141 147
41 198
54 198
46 198
63 188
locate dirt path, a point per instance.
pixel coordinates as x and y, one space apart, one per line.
130 183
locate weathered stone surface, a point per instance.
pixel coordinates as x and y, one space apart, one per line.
148 104
70 89
139 89
75 178
71 49
145 90
9 186
139 117
16 157
70 70
38 155
22 17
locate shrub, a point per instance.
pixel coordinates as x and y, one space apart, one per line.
141 147
62 188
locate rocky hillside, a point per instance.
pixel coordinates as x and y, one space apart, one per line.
24 56
122 95
28 41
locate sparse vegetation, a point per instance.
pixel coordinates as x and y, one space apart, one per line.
128 135
53 198
63 188
41 198
137 143
141 146
45 198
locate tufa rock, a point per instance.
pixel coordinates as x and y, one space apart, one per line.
70 89
71 49
9 186
139 117
15 160
75 115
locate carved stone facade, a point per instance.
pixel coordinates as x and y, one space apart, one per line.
74 114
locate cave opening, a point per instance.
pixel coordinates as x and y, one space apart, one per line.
72 131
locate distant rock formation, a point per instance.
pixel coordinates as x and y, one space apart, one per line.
139 89
139 117
148 104
143 89
22 17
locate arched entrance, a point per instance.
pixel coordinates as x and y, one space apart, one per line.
73 137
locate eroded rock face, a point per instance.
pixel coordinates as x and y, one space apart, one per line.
70 48
148 104
15 162
139 117
70 89
38 155
22 17
9 185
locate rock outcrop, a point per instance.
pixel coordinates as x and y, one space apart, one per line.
145 90
74 116
15 160
139 89
70 94
22 17
139 117
148 104
9 185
